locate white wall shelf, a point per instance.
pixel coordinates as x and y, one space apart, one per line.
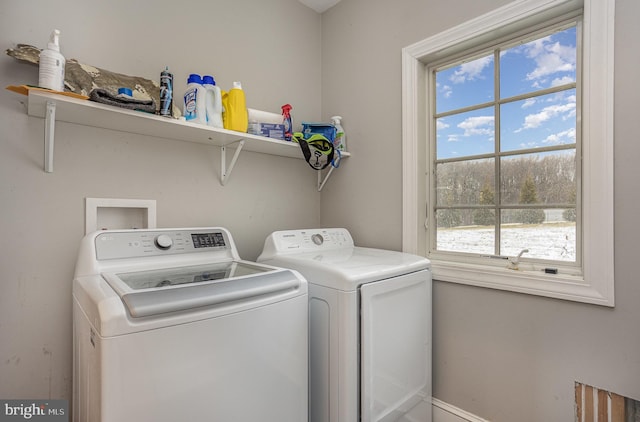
53 107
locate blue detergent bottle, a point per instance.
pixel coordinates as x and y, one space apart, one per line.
194 100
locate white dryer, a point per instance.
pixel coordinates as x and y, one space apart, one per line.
171 325
369 326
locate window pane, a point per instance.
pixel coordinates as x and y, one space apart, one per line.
502 192
543 121
456 235
546 233
464 85
465 183
543 63
465 134
543 178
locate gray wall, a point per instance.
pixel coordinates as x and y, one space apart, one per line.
503 356
42 215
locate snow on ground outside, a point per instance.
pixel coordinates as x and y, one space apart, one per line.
544 241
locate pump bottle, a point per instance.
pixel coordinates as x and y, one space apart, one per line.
51 68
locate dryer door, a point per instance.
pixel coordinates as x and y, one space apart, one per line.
395 330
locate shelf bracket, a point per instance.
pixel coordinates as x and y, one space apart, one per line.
321 180
224 172
49 135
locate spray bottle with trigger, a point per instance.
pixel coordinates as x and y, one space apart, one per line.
340 142
286 121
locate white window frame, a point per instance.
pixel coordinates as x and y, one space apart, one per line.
596 283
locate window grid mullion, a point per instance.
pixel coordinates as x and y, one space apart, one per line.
497 196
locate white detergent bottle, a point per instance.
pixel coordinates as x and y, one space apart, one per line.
194 100
340 141
213 102
51 67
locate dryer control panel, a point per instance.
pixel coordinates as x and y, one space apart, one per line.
307 240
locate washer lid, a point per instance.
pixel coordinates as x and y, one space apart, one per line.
161 278
347 268
159 291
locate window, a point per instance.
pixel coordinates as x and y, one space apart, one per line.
503 142
508 140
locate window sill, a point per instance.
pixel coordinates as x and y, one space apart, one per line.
533 282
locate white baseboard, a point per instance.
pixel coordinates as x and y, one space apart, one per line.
444 412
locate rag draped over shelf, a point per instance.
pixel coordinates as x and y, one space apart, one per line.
84 79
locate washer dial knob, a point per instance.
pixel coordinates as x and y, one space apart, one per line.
164 241
317 239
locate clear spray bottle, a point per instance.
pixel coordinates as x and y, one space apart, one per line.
340 142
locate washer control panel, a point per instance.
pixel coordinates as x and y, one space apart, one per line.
309 240
140 243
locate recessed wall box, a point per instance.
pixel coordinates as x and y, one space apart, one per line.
111 213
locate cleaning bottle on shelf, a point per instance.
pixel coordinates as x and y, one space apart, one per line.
213 102
194 100
236 115
166 93
340 141
51 67
287 122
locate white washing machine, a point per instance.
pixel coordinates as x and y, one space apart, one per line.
170 325
369 326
